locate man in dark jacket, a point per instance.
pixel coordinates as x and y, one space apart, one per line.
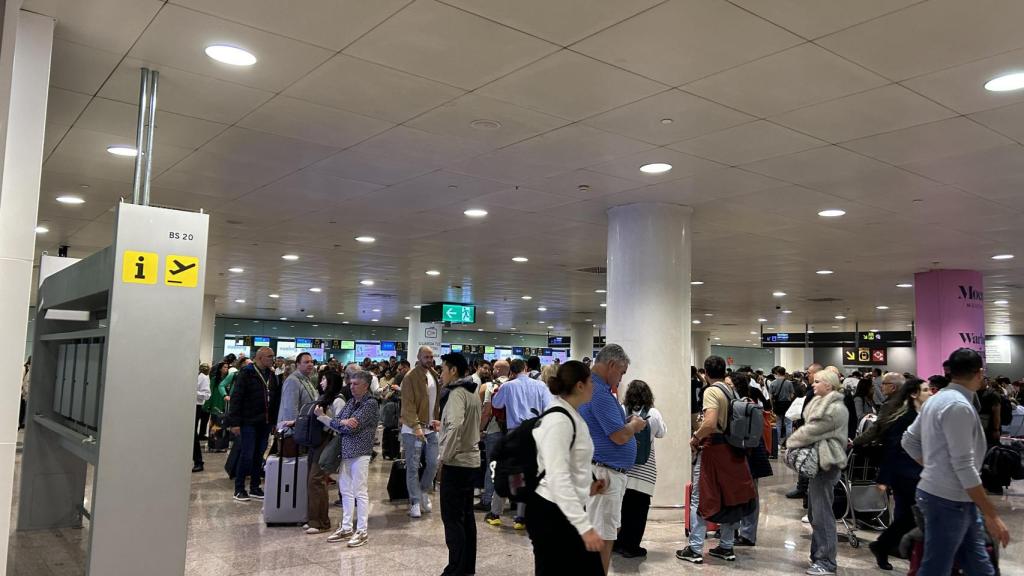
249 417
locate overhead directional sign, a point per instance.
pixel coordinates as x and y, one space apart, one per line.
450 313
864 356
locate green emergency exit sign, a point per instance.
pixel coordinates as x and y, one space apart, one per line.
453 313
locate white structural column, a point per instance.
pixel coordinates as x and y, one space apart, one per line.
649 315
793 359
701 348
24 75
206 331
581 340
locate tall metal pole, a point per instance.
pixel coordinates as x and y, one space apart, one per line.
154 78
139 134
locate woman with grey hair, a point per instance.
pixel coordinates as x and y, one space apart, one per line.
825 431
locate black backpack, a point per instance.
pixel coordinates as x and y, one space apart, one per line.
515 468
308 429
1005 411
643 442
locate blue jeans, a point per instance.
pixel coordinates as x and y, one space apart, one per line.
698 527
748 525
490 447
952 531
412 447
785 426
252 445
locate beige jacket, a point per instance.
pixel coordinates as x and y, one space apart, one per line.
415 403
460 426
826 423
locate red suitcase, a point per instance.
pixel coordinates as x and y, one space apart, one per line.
712 527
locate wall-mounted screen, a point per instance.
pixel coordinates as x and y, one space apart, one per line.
367 349
387 346
287 349
261 341
303 343
348 344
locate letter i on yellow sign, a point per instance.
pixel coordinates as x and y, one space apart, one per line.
139 267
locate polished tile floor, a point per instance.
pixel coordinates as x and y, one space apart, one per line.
228 538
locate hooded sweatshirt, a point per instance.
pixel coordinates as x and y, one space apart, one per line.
460 425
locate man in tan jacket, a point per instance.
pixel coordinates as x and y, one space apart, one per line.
421 420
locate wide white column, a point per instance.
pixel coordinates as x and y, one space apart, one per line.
701 347
581 340
206 330
24 75
648 314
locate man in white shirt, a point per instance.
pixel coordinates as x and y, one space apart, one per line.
202 416
421 419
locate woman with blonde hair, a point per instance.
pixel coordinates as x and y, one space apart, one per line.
824 433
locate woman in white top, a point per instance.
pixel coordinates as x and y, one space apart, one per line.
564 541
640 480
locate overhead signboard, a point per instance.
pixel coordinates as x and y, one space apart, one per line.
558 341
303 343
387 346
348 345
783 340
887 339
831 339
450 313
865 356
261 341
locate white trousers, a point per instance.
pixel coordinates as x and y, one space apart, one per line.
354 494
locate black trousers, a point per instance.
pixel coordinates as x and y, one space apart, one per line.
202 421
197 454
558 548
904 493
635 505
459 523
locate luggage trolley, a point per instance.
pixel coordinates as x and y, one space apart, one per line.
865 505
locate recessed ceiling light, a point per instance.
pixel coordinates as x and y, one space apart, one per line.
905 285
527 297
511 328
490 312
666 120
485 124
1001 302
753 332
42 229
832 213
778 294
475 212
696 283
375 310
655 168
835 326
406 317
600 291
603 305
762 319
1006 82
810 331
126 151
748 340
344 321
273 295
824 272
708 314
374 320
996 257
881 307
310 316
542 322
588 320
416 307
239 301
717 338
541 309
840 317
787 311
290 257
873 330
520 259
340 313
696 321
283 318
433 272
366 239
70 200
230 55
316 290
479 329
769 328
366 282
236 270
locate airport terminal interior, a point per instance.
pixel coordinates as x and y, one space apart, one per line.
211 209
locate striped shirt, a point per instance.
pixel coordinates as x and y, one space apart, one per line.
604 417
643 477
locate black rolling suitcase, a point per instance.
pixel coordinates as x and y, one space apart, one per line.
397 488
390 444
231 464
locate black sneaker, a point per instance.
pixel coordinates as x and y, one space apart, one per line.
795 494
723 553
689 555
741 541
640 552
242 496
256 493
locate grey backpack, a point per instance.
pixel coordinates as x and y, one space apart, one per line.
745 427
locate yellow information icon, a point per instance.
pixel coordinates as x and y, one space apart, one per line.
181 271
139 267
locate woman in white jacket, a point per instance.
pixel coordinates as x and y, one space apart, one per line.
826 422
564 541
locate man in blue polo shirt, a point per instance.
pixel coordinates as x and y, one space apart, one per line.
614 444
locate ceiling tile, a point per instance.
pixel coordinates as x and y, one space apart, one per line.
230 168
303 120
100 195
315 187
203 180
873 112
1008 120
562 22
422 38
509 167
81 68
89 23
120 119
572 147
251 146
818 165
994 173
814 18
64 106
596 184
85 152
785 81
456 117
329 23
186 93
628 167
748 143
705 187
951 137
916 40
571 86
524 199
688 116
962 88
683 40
52 137
371 90
178 37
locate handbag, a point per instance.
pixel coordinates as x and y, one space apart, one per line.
803 460
330 456
796 408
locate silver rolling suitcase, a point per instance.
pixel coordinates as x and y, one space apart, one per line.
285 488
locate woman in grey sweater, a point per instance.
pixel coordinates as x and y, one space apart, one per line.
825 427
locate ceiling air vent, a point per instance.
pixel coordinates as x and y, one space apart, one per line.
594 270
825 299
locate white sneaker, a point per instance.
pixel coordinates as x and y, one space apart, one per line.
414 511
805 519
358 539
305 526
427 506
314 530
341 535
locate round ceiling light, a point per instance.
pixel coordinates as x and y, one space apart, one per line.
778 294
485 124
366 239
905 285
832 213
375 310
541 309
696 321
787 311
340 313
310 316
42 229
1006 82
996 257
490 312
236 270
1001 302
374 319
604 305
840 317
240 301
527 297
290 257
433 272
520 259
655 168
600 291
232 55
696 283
70 200
881 307
283 318
366 282
762 319
475 213
126 151
824 272
274 295
316 290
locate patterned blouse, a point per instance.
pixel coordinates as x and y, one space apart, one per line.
357 441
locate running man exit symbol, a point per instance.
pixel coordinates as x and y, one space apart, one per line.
139 267
181 271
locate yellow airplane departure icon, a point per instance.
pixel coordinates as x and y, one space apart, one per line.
181 271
